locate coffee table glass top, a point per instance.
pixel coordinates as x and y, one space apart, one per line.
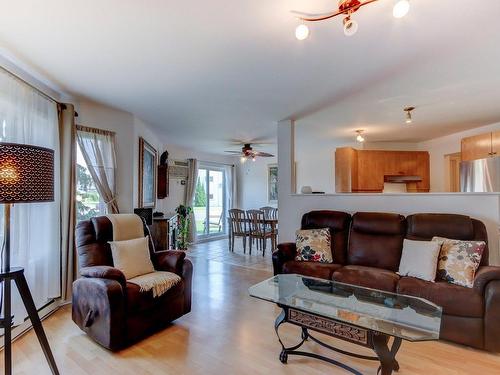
410 318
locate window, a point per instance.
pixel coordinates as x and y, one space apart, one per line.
88 201
28 117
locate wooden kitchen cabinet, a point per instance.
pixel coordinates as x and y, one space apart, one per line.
365 170
480 146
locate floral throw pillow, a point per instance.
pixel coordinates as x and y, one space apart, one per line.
314 245
459 260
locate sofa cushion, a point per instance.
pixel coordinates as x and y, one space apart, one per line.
314 245
132 257
454 299
313 269
368 277
376 240
459 260
425 226
138 301
338 222
419 259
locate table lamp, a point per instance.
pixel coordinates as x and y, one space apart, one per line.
26 176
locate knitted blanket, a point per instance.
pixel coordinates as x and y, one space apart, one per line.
158 281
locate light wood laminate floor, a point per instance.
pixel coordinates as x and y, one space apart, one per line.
226 333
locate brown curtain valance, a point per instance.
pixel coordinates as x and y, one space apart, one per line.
94 130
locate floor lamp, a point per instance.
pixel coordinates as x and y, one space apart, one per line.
26 176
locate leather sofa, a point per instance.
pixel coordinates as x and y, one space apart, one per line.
113 311
367 248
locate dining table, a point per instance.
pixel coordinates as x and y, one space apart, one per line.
272 223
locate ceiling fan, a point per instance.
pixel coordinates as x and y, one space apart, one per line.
247 152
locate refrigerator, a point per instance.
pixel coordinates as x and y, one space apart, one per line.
480 176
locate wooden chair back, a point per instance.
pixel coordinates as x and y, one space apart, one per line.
238 225
256 221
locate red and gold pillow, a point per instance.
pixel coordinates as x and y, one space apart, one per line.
459 260
314 245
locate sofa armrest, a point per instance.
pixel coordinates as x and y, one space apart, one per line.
104 272
484 275
288 250
169 260
187 276
491 319
285 252
98 308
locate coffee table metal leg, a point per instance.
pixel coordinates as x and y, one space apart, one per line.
386 356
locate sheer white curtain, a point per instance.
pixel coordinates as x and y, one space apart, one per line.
98 150
28 117
230 187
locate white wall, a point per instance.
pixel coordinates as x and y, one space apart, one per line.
252 183
177 190
128 129
449 144
485 207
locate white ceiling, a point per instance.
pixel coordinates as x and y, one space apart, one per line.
207 72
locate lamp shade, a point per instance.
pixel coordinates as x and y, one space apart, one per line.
26 173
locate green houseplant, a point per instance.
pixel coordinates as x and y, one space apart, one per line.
184 213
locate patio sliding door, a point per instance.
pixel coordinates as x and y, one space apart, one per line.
210 201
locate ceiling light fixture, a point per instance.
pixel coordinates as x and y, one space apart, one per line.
243 159
359 137
346 9
401 9
301 32
408 110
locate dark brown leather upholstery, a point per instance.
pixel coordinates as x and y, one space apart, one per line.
368 277
376 240
321 270
113 311
471 316
338 223
454 299
459 227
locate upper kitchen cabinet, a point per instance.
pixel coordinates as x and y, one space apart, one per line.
481 146
368 171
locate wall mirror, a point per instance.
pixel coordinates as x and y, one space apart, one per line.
147 174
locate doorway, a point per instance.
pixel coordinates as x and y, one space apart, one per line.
209 202
452 172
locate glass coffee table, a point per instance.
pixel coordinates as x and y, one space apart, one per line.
362 316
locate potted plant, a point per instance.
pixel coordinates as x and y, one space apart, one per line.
184 213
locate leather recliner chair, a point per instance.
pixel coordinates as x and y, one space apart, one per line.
113 311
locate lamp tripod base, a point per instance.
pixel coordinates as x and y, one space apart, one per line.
17 275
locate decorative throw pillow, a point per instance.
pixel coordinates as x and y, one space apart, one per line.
459 260
419 259
132 256
314 245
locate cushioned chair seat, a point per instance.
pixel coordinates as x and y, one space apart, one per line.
313 269
368 277
139 301
454 299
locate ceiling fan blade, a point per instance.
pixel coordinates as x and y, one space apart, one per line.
234 152
263 154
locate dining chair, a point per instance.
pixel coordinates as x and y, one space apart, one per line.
271 213
238 228
258 229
